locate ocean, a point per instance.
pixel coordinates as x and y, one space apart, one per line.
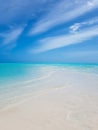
17 80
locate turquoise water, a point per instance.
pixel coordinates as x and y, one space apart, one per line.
18 79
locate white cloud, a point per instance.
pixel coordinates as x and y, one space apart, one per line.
76 27
90 3
65 40
12 35
62 12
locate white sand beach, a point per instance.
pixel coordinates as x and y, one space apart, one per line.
73 106
48 64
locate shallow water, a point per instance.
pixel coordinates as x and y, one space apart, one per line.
17 80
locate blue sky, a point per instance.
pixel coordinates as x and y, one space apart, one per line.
49 31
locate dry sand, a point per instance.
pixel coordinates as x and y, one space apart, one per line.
56 109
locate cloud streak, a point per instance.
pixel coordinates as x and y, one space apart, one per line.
62 12
12 35
77 26
51 43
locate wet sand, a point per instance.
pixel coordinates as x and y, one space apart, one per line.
73 106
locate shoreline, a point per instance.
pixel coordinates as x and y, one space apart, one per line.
30 96
68 99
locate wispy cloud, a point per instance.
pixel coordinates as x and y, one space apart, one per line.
12 35
66 40
62 12
77 26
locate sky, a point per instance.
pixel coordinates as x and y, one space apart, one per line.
56 31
